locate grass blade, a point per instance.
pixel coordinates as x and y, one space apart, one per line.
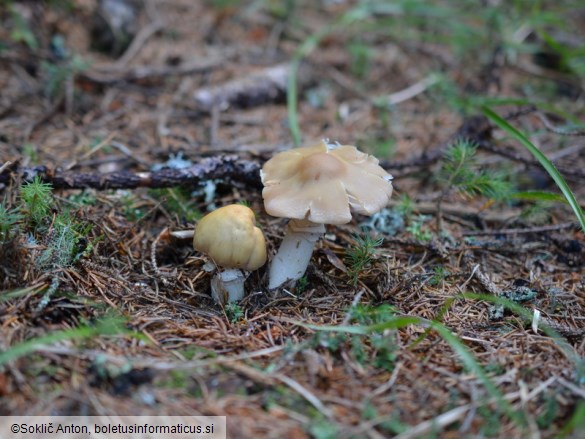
526 315
308 45
395 322
538 196
543 160
12 294
458 347
107 326
473 366
575 423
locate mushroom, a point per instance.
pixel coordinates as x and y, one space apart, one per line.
229 236
317 185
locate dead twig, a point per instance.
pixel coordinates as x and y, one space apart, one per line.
305 393
554 129
462 210
92 151
475 128
110 75
354 303
139 40
562 329
482 278
572 387
457 413
440 421
407 93
5 165
509 153
540 229
128 153
266 85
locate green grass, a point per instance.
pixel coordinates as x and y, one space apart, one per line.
575 424
461 172
180 202
58 235
233 312
63 242
132 208
472 33
37 200
465 355
108 326
57 74
527 315
322 428
542 159
360 255
539 196
308 45
21 31
389 321
10 222
21 292
418 230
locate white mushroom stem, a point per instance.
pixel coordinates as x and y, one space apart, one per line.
228 285
293 256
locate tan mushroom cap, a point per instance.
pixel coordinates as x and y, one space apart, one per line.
321 183
230 237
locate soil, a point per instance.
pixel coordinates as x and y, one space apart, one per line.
208 81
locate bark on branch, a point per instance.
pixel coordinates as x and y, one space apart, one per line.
227 168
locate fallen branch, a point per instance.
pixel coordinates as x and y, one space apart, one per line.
228 168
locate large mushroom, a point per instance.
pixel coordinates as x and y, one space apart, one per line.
313 186
229 236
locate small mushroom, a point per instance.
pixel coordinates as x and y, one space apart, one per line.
229 236
313 186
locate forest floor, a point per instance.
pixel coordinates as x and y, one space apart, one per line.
467 320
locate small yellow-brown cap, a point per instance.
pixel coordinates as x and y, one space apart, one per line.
230 237
322 182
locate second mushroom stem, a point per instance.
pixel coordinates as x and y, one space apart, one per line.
293 256
228 285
